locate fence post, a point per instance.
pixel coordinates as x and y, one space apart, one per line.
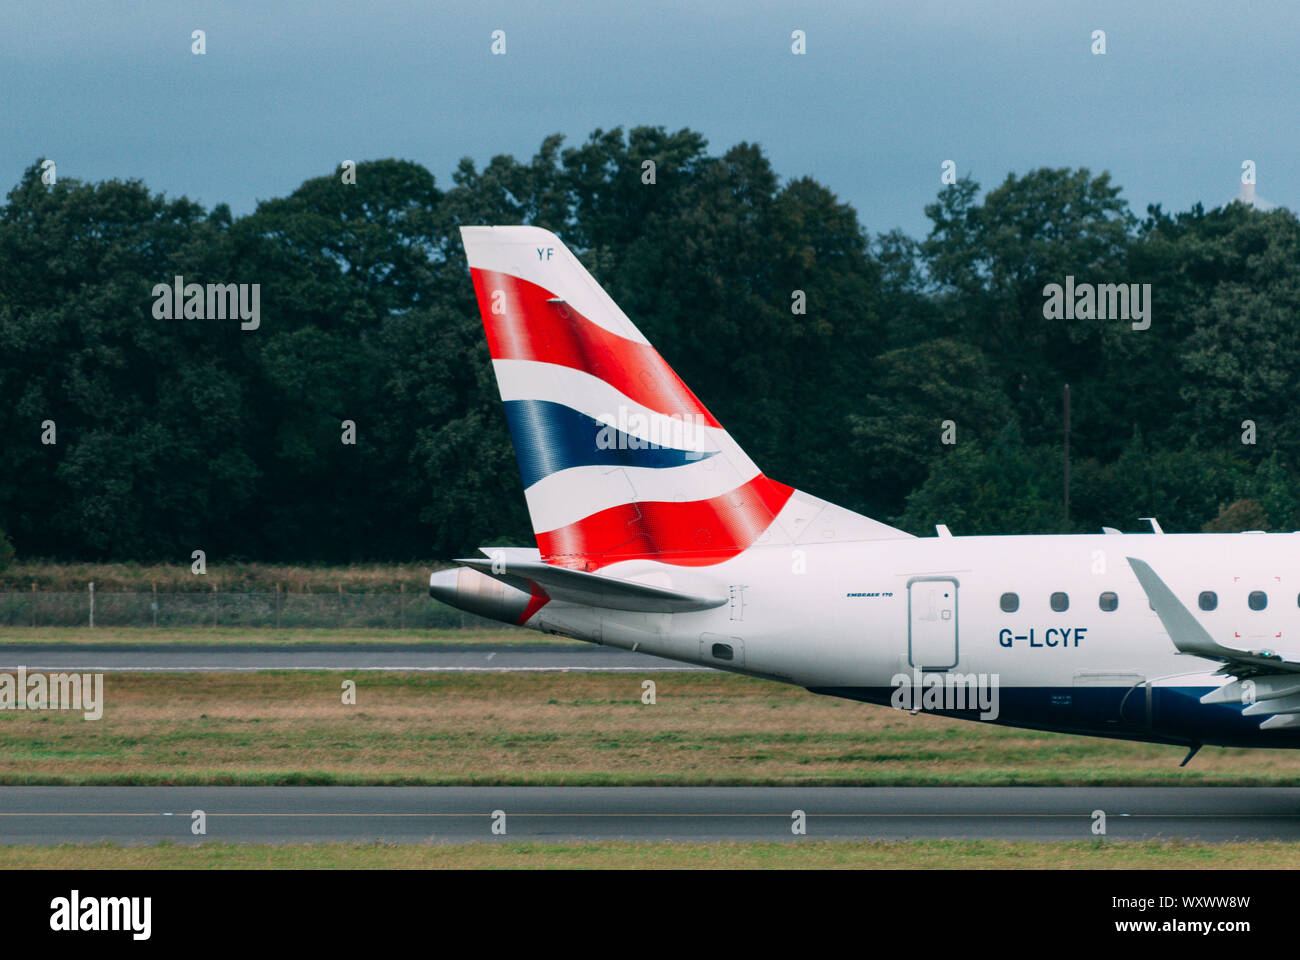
277 606
155 603
216 605
401 605
340 606
92 605
33 603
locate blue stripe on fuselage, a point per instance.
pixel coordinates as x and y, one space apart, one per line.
549 437
1172 715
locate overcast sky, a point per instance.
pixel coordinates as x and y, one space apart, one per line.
886 92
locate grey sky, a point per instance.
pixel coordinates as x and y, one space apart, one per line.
886 92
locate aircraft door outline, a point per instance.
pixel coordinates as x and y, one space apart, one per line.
932 642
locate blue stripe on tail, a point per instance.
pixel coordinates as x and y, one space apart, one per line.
549 437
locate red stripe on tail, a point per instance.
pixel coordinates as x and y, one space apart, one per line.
692 534
529 328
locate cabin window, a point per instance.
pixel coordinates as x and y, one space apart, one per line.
1208 600
1060 601
1108 601
1010 603
1257 600
722 651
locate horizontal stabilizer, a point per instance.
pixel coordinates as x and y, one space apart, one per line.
592 589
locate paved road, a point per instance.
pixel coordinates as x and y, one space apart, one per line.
459 814
114 658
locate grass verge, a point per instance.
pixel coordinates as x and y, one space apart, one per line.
554 728
789 855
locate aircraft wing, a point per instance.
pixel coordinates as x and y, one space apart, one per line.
591 589
1267 683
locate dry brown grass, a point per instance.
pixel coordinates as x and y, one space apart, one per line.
558 729
789 855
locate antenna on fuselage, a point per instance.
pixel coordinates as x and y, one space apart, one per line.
1155 524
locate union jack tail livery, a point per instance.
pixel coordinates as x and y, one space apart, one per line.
620 460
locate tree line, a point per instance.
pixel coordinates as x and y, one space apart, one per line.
129 435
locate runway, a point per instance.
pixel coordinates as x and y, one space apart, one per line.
46 815
180 658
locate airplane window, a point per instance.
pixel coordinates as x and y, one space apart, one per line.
1060 601
722 651
1208 600
1010 603
1108 601
1257 600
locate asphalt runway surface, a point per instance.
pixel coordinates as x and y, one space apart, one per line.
181 658
46 815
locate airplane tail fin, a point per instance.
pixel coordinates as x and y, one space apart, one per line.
619 459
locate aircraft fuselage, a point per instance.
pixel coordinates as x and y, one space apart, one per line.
881 621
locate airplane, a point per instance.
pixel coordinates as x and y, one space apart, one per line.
655 532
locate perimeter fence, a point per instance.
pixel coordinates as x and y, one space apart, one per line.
408 610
